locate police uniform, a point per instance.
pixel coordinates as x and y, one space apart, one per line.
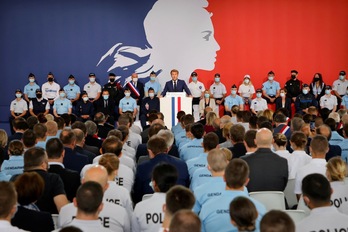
336 138
155 85
39 105
304 101
326 218
177 128
84 108
18 107
72 91
62 106
339 196
112 216
179 137
293 88
340 86
30 90
271 88
199 162
258 104
344 146
199 177
50 91
87 225
328 101
215 213
296 160
13 166
218 90
246 91
345 101
119 195
148 214
191 149
127 104
134 140
231 101
92 89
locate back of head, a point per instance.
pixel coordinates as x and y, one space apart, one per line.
345 119
165 176
124 130
280 139
52 128
217 160
296 124
188 119
40 130
277 221
260 120
155 128
79 125
336 169
243 214
268 114
29 138
263 138
29 187
246 116
8 198
324 112
60 122
67 119
110 162
319 145
235 109
211 116
236 173
225 119
335 116
249 138
117 133
179 197
210 141
32 121
317 189
112 145
185 221
180 114
197 130
341 112
16 147
91 127
99 117
307 118
280 118
3 138
331 123
89 196
67 136
325 131
80 136
167 135
253 122
123 120
98 174
54 148
34 157
20 124
237 133
157 144
299 139
226 129
267 125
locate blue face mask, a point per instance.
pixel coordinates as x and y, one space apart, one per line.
206 95
106 97
62 95
258 95
327 91
217 79
71 82
194 78
31 80
152 78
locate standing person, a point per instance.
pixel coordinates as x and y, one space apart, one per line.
62 105
317 87
283 102
84 108
197 90
218 92
50 89
18 107
30 88
148 104
246 90
175 85
340 87
328 101
152 83
293 86
39 104
72 91
92 88
270 88
115 90
136 88
233 100
258 104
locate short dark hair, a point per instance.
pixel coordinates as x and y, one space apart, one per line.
117 133
79 125
155 128
249 138
179 197
276 220
113 145
60 122
185 221
210 141
260 120
188 119
236 173
319 144
54 148
67 136
40 130
157 145
29 138
237 132
32 121
8 198
67 119
331 123
29 187
280 118
89 196
197 130
317 188
165 175
243 212
34 157
124 130
20 123
180 114
299 139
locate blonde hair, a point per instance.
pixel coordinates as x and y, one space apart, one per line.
268 114
336 169
3 138
280 139
110 162
49 117
217 160
228 153
226 129
211 116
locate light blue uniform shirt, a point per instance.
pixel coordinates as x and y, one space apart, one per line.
4 177
177 129
62 105
191 149
271 88
344 147
13 166
179 137
127 104
200 176
71 91
155 85
215 214
345 101
30 90
231 101
41 144
198 162
336 138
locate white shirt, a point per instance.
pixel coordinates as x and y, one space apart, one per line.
50 91
6 226
328 101
218 90
258 104
92 89
112 216
148 214
314 166
128 151
323 219
196 88
119 195
340 86
136 129
339 196
18 106
129 162
297 160
246 90
134 140
283 153
87 225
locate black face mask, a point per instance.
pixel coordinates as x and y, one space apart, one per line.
112 80
316 79
50 79
39 95
293 76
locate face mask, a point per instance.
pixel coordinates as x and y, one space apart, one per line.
112 80
327 91
85 99
135 79
71 82
282 94
31 80
342 77
316 79
92 79
50 79
270 78
246 81
206 95
106 97
194 78
151 94
217 79
258 95
127 94
152 78
62 94
233 92
18 95
39 95
305 91
293 76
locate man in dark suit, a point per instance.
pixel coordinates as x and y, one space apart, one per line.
82 126
237 133
72 159
136 88
102 125
71 179
80 142
92 138
268 171
157 147
281 126
106 105
175 85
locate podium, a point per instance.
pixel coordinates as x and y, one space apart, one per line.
171 104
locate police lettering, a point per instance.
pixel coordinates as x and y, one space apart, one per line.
332 230
115 201
154 218
105 221
119 181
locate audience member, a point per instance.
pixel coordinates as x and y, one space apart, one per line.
277 221
40 131
15 164
249 141
80 143
279 144
194 147
92 138
185 221
237 133
334 150
243 214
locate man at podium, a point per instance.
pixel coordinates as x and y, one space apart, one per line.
175 85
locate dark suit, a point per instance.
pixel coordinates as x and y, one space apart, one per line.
93 141
107 107
334 150
70 178
93 149
278 102
280 127
85 152
268 171
73 160
31 220
140 88
17 135
142 151
103 130
144 172
180 86
238 150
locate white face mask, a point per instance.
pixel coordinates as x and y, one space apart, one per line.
282 94
151 94
85 98
18 95
71 82
62 94
328 91
270 78
342 77
135 79
92 79
127 94
246 81
233 92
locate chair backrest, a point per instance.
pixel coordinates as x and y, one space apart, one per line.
55 220
270 199
296 215
146 196
290 194
302 206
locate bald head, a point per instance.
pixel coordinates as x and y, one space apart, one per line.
264 138
98 174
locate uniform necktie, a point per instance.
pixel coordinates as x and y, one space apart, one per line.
175 89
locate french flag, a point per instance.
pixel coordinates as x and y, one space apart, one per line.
176 107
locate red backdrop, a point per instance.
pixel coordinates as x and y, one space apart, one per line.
257 36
